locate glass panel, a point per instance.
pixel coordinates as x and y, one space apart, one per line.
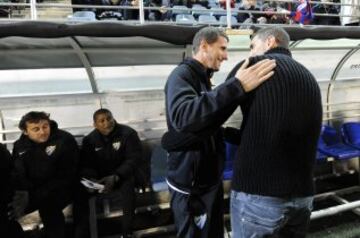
321 63
351 69
132 78
43 82
328 43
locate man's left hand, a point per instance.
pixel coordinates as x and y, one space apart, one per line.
109 182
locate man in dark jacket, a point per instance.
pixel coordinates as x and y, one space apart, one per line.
109 156
272 184
194 110
9 227
45 167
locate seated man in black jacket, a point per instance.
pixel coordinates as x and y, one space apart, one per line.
8 226
45 159
109 155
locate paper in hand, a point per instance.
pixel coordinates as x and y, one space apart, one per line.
90 184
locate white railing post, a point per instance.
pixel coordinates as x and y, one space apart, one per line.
228 13
141 12
33 12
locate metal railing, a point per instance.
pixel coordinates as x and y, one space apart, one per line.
34 8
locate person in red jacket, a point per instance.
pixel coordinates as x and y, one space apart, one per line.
223 3
303 14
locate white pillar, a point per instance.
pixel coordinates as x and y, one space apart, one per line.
141 12
33 12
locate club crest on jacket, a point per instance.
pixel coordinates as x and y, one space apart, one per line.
50 149
116 145
22 152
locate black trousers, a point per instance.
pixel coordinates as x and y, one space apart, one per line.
124 191
50 211
189 211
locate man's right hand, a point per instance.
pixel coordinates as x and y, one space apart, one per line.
251 77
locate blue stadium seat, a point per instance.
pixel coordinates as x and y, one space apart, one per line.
158 168
330 144
179 9
223 21
230 155
198 10
185 19
351 134
217 11
82 16
207 19
213 3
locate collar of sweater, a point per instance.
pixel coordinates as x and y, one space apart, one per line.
199 69
279 50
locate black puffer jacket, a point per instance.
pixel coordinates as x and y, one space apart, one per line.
49 168
119 153
192 107
6 194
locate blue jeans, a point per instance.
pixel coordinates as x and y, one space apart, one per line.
254 216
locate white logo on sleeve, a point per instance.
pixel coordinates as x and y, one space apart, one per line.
22 152
98 148
50 149
116 145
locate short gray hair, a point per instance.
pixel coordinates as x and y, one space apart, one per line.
281 36
210 34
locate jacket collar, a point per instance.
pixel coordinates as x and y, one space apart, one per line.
279 50
110 137
200 69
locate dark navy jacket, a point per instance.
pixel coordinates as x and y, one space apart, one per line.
192 107
49 168
118 153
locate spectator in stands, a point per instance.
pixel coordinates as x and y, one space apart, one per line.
223 3
130 14
271 15
352 12
303 13
326 9
85 2
190 3
248 17
194 112
9 227
272 184
109 13
45 167
161 14
110 155
4 12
